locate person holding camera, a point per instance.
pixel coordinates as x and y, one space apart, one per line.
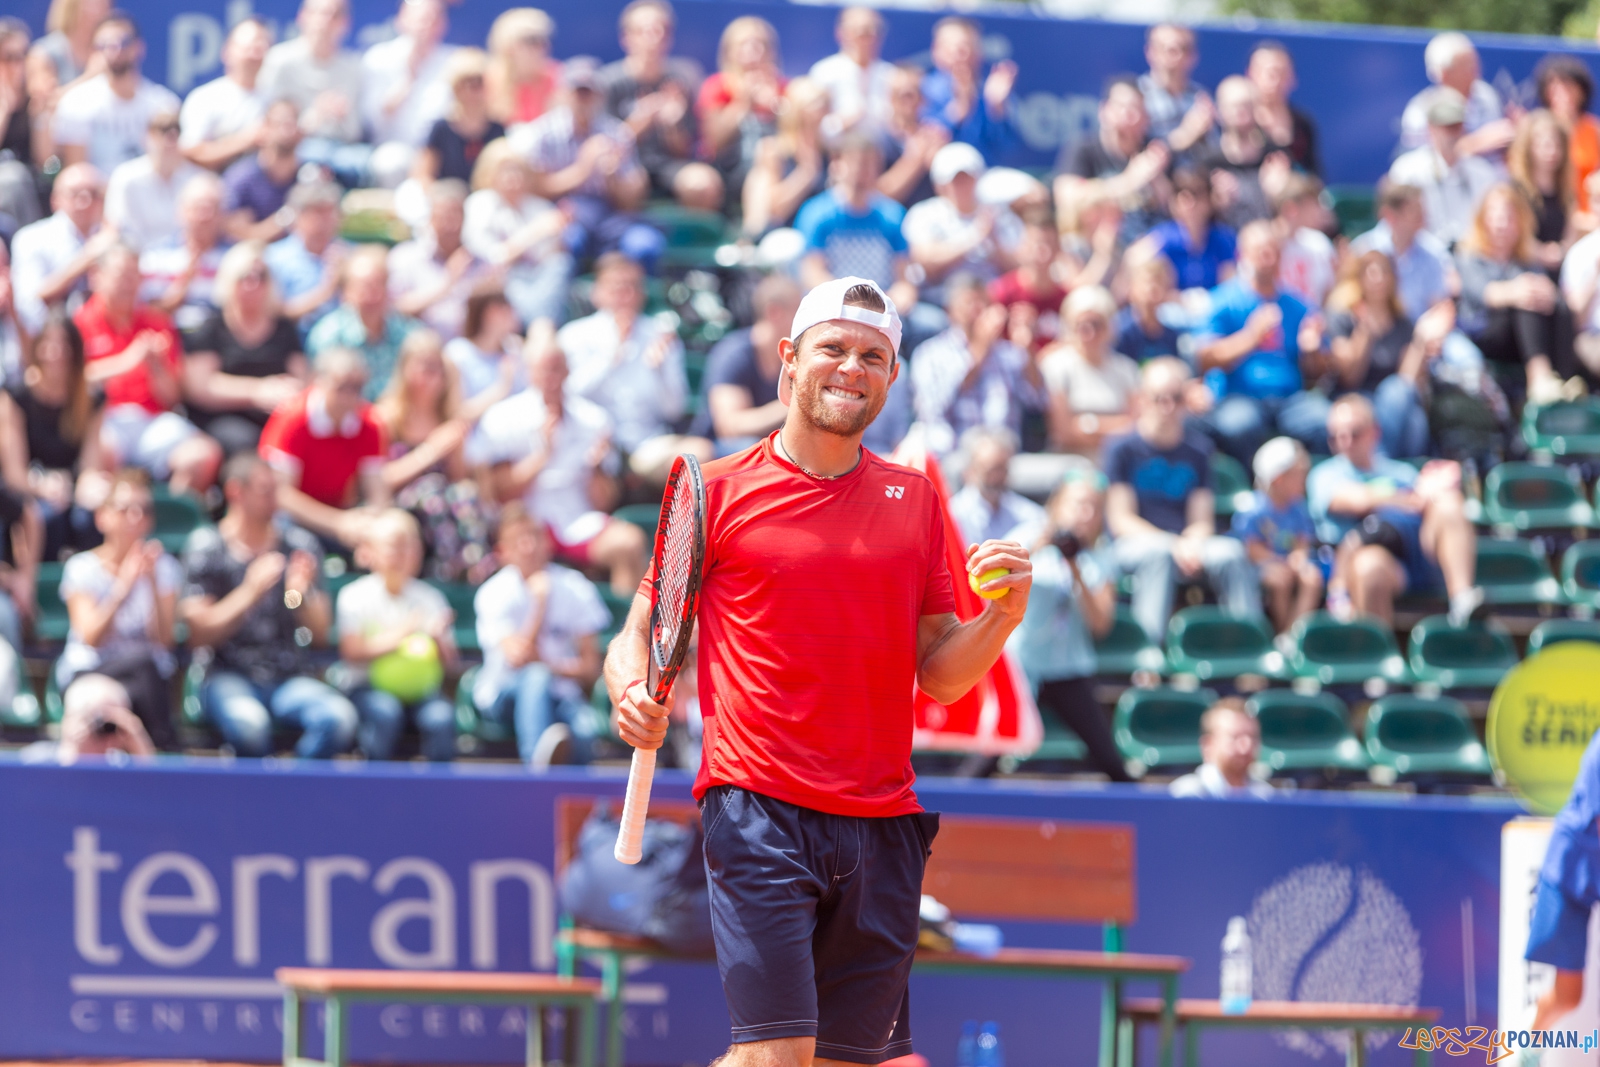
96 720
1073 602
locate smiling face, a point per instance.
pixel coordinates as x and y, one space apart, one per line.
840 375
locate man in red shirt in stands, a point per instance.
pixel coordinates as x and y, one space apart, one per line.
826 594
133 354
327 448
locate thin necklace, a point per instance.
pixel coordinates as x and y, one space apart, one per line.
812 474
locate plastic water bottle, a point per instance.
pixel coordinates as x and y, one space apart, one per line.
967 1047
990 1054
1236 968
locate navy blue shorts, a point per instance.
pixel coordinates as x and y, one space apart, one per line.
1558 930
815 920
1422 574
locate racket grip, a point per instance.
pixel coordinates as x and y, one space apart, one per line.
630 839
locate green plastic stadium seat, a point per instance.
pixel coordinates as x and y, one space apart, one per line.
23 711
686 227
468 722
1580 573
460 595
1355 207
1565 428
1230 484
1126 648
1305 731
1160 727
619 604
694 371
1337 653
644 516
1554 631
50 622
52 695
1515 572
1531 496
1059 743
190 709
177 515
1470 657
1418 735
1207 642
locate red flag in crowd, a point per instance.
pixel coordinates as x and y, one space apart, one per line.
998 716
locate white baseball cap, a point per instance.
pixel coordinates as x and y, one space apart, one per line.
957 157
826 303
1275 458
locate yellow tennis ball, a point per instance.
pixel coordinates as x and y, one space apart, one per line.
975 581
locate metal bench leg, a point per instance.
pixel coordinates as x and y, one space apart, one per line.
1110 1011
611 980
535 1042
588 1019
1169 1018
1191 1045
291 1027
1358 1049
334 1040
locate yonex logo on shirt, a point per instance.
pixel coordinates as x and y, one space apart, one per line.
894 491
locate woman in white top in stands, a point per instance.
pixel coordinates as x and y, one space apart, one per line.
1091 386
487 355
508 227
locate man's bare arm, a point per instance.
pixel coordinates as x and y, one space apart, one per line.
639 720
953 655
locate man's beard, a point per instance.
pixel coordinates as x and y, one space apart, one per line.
814 408
118 67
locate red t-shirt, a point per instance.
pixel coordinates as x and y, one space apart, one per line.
808 629
715 94
302 441
102 340
1008 289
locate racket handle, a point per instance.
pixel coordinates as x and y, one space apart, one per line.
630 839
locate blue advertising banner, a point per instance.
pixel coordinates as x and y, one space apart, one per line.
1354 81
143 909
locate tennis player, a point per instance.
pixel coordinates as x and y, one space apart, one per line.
1569 888
826 593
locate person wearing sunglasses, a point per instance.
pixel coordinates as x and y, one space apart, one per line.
1161 510
102 120
142 194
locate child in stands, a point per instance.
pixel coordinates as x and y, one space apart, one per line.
391 613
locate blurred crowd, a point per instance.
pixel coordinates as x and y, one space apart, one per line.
191 304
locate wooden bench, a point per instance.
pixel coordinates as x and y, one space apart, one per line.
1197 1015
988 868
342 988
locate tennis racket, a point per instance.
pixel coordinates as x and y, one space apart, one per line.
680 556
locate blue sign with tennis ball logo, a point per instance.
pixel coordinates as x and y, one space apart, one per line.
146 909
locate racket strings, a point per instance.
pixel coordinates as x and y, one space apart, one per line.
677 554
